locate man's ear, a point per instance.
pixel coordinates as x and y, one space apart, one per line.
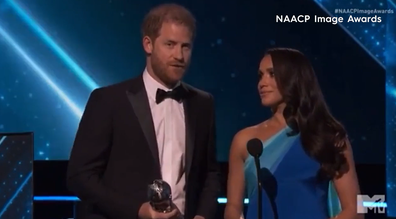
148 45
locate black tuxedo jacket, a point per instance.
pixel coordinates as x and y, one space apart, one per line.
115 153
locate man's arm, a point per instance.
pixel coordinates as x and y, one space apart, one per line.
88 161
208 200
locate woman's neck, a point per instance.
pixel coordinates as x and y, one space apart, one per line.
277 116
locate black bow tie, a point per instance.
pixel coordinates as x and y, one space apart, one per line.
177 94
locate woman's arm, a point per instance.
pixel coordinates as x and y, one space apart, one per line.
235 181
347 188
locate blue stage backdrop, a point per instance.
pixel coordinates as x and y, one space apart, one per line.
390 116
16 181
54 53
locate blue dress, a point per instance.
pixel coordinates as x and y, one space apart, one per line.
290 189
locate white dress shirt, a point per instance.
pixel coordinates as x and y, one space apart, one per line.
169 125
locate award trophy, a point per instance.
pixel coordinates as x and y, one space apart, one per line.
160 196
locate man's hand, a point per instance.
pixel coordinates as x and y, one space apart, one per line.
147 212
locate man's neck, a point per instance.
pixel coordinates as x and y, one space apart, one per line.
157 79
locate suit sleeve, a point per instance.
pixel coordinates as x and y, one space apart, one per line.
88 159
208 200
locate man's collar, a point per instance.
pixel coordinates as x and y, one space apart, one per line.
153 85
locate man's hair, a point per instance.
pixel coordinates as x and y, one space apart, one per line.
173 13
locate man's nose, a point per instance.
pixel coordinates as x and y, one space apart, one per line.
178 54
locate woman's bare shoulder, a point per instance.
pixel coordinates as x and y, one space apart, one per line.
243 136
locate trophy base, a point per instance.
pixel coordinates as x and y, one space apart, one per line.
163 207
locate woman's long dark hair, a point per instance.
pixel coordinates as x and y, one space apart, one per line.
306 112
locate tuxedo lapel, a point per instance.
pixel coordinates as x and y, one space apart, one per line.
190 121
137 96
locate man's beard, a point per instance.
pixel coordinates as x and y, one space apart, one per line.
159 68
162 70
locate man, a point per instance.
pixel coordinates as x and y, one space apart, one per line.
151 127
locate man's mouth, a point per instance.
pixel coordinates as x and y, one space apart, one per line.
177 66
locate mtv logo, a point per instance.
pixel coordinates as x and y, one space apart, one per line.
375 203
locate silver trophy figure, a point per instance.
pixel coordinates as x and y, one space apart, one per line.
160 196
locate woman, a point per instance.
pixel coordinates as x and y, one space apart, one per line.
305 150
